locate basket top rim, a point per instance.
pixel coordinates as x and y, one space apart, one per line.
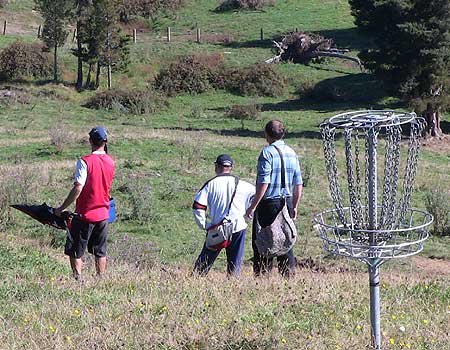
367 119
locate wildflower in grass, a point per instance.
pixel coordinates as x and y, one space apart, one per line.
310 337
391 341
68 339
358 327
408 345
338 347
76 312
402 329
197 321
52 329
425 321
283 340
394 317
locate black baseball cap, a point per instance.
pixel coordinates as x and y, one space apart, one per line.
224 160
98 134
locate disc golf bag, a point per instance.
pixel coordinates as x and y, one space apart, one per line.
279 237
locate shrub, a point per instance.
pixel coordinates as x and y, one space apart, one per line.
22 60
437 203
130 101
3 3
139 205
257 80
230 5
193 74
245 112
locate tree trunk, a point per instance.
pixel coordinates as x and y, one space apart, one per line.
97 77
88 78
79 84
433 119
55 63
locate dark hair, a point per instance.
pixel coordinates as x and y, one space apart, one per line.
275 129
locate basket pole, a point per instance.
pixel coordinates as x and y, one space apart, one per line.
374 271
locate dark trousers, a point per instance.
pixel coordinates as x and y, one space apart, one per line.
265 213
235 256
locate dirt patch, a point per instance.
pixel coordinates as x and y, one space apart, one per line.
432 266
438 144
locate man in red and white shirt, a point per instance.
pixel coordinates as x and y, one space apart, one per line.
91 191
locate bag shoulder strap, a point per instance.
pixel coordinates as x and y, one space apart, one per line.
236 182
215 177
283 175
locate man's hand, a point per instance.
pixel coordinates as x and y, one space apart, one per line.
250 212
294 214
58 211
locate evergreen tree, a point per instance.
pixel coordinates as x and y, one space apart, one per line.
56 14
412 50
101 41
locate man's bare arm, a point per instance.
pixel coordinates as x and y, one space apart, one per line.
297 195
260 191
71 197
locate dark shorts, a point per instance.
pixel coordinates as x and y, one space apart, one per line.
82 234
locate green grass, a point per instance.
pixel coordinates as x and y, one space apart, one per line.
148 298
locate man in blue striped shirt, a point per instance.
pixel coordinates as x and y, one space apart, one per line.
271 195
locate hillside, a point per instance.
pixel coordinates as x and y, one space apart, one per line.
148 299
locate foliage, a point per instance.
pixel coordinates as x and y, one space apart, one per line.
193 74
3 3
56 15
258 80
412 46
22 60
244 112
17 185
101 41
128 101
149 9
437 202
229 5
140 205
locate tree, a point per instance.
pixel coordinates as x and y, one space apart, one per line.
56 14
411 51
101 42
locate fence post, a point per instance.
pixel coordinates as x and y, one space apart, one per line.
109 77
262 34
198 35
4 27
134 36
39 31
74 34
168 34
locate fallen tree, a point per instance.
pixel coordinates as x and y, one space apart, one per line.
302 47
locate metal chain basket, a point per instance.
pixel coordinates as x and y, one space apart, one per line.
365 229
376 223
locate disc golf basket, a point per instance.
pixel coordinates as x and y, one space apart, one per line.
371 220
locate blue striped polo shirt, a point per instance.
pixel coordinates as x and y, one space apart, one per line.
269 170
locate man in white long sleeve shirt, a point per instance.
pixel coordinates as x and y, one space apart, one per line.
214 198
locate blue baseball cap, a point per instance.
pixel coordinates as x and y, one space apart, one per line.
98 134
224 160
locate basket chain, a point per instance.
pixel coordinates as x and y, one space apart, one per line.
410 169
391 166
329 151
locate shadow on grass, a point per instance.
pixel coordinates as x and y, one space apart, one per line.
348 38
349 92
247 133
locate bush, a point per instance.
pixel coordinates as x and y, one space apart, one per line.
130 101
245 112
193 74
437 203
22 60
230 5
257 80
140 204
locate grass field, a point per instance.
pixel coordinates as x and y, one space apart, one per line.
148 299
